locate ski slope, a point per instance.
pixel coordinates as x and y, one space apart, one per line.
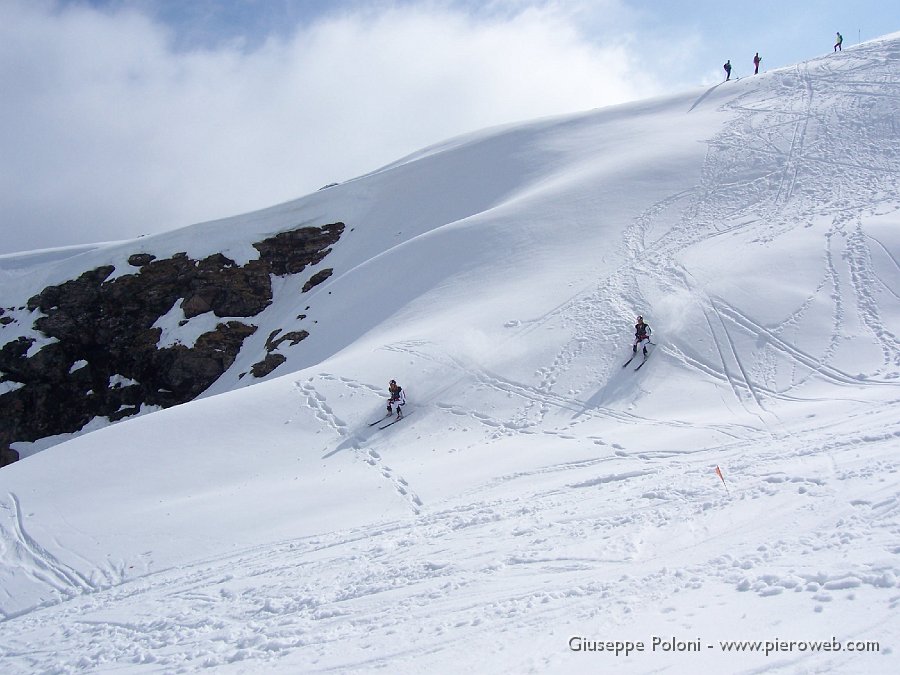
538 491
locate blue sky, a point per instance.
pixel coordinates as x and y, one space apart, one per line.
789 32
125 117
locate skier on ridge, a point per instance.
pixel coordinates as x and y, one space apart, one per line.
641 335
398 398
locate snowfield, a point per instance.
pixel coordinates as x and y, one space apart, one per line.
542 508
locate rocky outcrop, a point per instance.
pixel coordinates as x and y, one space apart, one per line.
291 252
103 358
317 279
273 342
267 365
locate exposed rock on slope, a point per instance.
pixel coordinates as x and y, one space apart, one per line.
103 357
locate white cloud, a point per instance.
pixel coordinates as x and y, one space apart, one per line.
110 132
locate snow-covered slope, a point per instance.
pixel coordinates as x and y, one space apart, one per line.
538 491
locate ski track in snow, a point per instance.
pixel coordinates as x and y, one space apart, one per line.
434 577
823 161
36 561
317 403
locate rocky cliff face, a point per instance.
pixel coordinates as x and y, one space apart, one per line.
103 358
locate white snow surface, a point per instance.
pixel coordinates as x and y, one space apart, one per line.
537 491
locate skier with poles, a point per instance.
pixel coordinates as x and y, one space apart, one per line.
398 398
641 336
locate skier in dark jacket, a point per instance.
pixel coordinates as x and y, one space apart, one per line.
398 398
641 335
756 60
727 68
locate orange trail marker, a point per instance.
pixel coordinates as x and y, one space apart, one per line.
719 474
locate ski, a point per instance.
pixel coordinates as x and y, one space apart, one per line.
395 421
641 364
372 424
628 361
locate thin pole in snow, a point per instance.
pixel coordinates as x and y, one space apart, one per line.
719 474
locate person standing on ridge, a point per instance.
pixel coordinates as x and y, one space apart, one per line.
838 42
641 335
398 398
756 60
727 68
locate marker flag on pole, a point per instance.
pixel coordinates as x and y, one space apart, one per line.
719 474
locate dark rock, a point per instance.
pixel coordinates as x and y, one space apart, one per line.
270 345
267 365
196 305
294 336
141 259
124 412
8 456
290 252
108 323
317 279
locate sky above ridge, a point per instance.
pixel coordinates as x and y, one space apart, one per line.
128 117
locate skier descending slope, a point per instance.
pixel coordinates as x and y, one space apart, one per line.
641 336
398 398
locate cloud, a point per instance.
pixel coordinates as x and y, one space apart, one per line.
112 129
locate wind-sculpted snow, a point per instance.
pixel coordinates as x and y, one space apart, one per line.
542 508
